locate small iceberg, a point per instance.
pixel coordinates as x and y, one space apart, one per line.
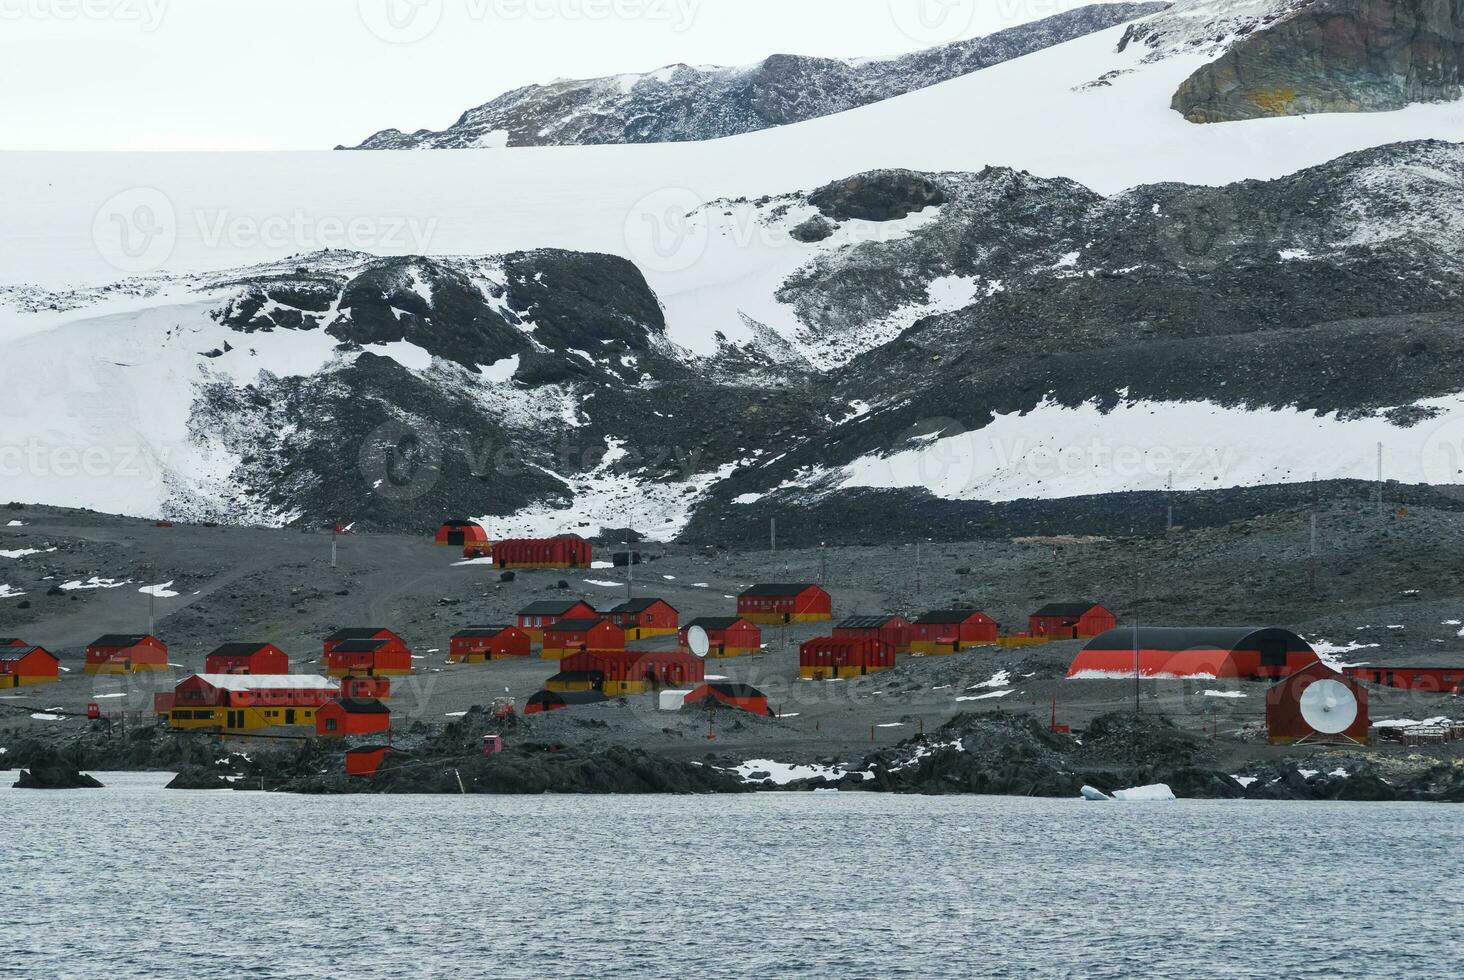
1158 793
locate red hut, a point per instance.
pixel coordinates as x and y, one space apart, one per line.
728 636
247 658
563 551
642 618
951 631
1248 653
1335 710
631 671
894 630
742 696
826 658
366 761
243 702
1071 620
129 653
337 719
23 666
481 644
351 633
461 534
534 618
371 658
569 636
785 603
1428 680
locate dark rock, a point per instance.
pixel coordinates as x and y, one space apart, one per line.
198 777
815 229
882 195
48 769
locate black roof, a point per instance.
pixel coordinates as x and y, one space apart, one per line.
361 646
550 607
737 690
941 617
1065 608
567 697
865 622
778 589
578 675
638 605
238 649
574 625
363 749
364 706
1196 638
120 639
715 622
16 653
461 524
484 631
355 633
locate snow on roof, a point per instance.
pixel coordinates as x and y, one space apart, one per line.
269 682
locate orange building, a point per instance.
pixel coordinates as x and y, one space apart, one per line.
365 762
894 630
1071 620
615 673
642 618
826 658
742 696
118 653
562 551
785 603
727 636
247 658
951 631
384 657
244 702
534 618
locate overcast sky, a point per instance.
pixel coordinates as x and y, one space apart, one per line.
308 74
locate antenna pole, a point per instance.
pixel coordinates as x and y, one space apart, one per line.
918 588
1380 479
1137 706
333 529
773 535
629 571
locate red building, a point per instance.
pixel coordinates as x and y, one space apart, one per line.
1249 653
22 665
387 657
481 644
569 636
630 671
728 636
337 719
742 696
785 603
1343 699
894 630
247 658
461 534
642 618
365 688
1429 680
826 658
366 761
358 633
564 551
534 618
951 631
132 653
1071 620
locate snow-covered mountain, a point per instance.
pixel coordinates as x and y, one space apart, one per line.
869 324
680 102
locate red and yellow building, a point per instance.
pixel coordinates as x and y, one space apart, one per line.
571 636
826 658
23 665
780 603
562 551
643 618
1071 620
728 636
126 653
951 631
381 657
536 617
247 702
247 658
615 673
352 716
894 630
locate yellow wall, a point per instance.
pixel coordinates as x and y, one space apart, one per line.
343 672
731 652
774 619
254 718
829 673
27 680
120 667
564 686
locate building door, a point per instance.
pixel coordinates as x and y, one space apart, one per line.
289 716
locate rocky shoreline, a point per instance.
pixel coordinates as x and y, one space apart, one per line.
987 753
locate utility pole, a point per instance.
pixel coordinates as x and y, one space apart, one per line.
1169 490
1137 706
334 529
1380 479
823 565
918 589
629 571
773 535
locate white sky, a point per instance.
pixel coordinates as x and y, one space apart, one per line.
308 74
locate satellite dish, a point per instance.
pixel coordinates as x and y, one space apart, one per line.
697 639
1329 707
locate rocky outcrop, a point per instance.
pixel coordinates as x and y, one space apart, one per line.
680 103
50 770
198 777
1334 56
883 195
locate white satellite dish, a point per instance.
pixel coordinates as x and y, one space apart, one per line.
1329 707
697 639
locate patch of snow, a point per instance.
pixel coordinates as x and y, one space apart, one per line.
1245 781
9 592
94 583
604 585
782 773
501 371
987 696
1224 694
162 591
1157 793
23 552
1002 678
47 716
407 354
